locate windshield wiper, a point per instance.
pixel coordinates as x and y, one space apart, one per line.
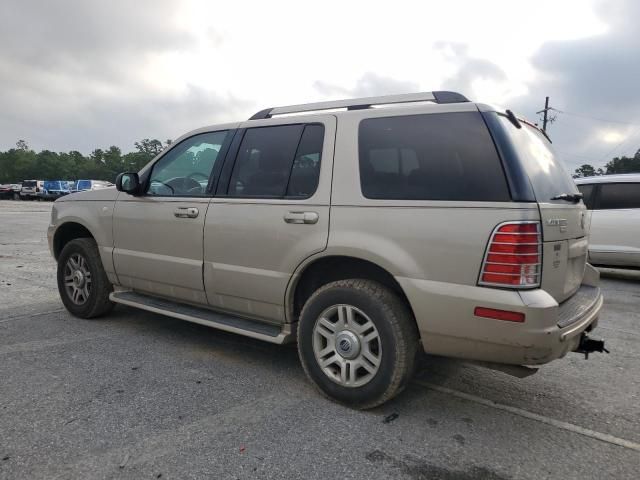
569 197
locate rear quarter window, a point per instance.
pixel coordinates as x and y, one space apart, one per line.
619 196
439 156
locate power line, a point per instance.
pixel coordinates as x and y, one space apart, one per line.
627 139
589 117
548 120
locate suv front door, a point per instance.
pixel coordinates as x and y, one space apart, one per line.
158 235
271 211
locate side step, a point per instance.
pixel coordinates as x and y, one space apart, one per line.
228 323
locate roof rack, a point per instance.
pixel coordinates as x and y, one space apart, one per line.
362 103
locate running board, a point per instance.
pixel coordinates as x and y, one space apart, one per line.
203 316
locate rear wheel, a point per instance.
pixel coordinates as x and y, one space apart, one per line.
82 282
357 342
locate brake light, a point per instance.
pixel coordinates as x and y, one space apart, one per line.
514 256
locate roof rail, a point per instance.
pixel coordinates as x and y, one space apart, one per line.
362 103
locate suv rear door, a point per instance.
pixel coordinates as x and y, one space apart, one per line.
270 212
564 222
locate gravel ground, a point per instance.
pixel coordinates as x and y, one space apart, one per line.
138 395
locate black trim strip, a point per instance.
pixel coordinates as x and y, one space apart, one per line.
517 178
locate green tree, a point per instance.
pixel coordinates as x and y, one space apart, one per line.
624 164
585 170
150 147
113 164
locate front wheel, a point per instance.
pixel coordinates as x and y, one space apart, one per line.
82 282
357 342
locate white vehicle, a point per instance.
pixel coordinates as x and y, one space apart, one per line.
31 189
614 204
84 185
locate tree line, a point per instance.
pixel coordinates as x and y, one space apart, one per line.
616 165
22 163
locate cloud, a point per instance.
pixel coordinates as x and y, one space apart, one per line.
368 85
76 74
592 79
468 69
81 74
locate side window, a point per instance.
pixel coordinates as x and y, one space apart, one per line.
186 168
619 195
278 161
306 165
587 194
440 156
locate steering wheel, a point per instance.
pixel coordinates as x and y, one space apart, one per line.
198 174
185 185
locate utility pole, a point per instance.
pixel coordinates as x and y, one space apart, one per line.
545 117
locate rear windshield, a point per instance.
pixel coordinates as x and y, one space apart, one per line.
546 172
53 185
29 183
438 156
83 184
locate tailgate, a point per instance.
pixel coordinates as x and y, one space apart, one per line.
564 223
565 247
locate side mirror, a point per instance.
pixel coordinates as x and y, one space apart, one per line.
128 182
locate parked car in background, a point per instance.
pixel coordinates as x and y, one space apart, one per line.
31 189
10 191
367 235
54 189
614 204
84 185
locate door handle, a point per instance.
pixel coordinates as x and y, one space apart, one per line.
301 217
186 212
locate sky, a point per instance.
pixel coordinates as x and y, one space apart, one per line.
86 74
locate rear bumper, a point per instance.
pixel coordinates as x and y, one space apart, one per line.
448 326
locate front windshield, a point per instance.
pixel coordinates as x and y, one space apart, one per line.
546 172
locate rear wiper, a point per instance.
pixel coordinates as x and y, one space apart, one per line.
512 118
569 197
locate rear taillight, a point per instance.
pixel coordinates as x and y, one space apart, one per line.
514 256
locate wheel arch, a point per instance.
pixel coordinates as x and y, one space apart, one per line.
66 232
319 271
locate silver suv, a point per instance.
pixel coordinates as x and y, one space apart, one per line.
367 230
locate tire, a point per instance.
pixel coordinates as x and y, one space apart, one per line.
377 369
81 255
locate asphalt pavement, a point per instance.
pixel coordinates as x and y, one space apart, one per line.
138 395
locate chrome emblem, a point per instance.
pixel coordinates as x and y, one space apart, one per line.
557 222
